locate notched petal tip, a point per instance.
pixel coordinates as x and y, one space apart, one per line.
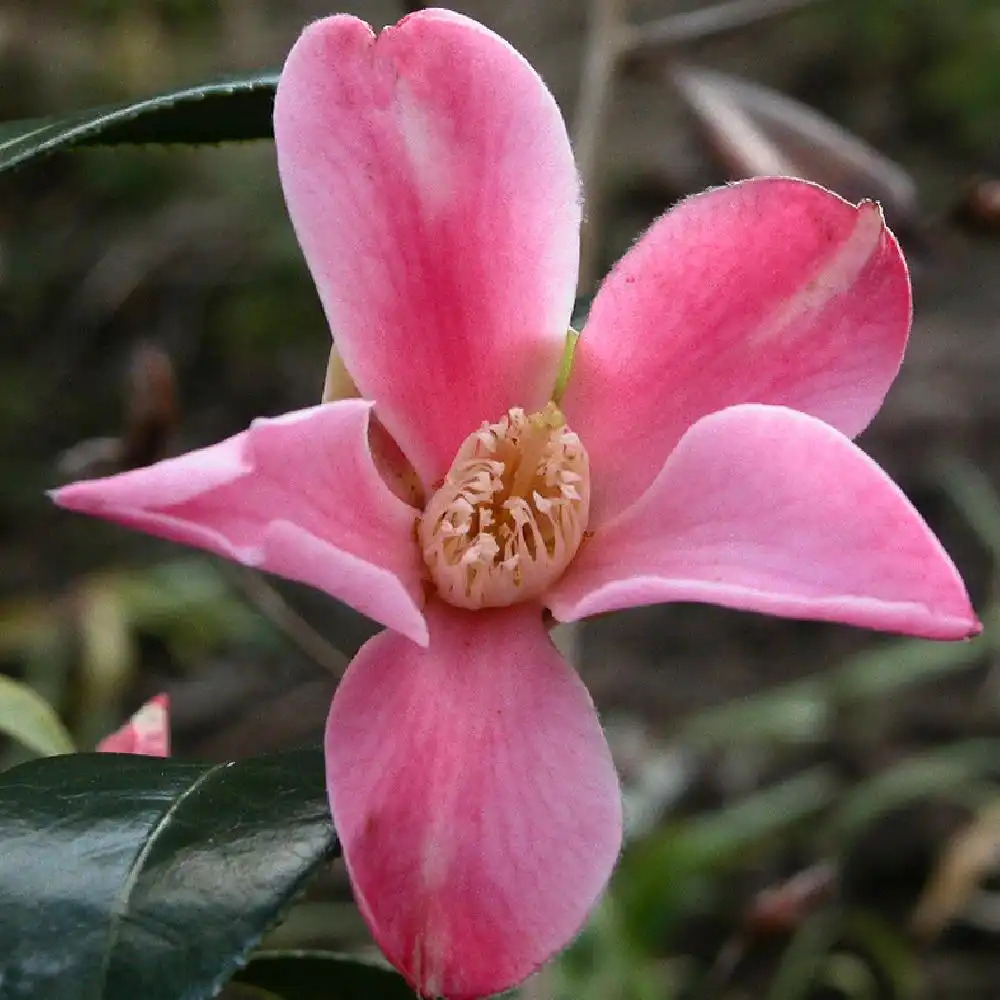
893 260
772 290
402 159
335 30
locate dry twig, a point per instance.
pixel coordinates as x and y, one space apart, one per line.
692 25
600 64
610 38
288 621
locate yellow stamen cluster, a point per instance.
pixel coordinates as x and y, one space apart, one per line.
511 512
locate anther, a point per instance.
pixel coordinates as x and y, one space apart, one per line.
511 512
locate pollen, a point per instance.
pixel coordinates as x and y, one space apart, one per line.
511 512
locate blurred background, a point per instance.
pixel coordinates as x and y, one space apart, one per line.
814 810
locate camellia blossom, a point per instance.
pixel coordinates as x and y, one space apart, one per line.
701 451
147 733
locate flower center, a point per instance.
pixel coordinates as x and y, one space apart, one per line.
511 512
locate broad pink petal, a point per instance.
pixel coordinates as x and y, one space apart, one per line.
433 190
147 733
297 495
767 509
474 796
768 291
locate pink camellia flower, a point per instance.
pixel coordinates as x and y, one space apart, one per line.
147 733
700 452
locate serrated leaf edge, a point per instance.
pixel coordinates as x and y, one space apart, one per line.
69 130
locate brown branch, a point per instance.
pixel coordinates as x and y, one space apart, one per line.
605 35
690 26
288 621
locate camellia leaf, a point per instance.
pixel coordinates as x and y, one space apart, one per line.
323 975
125 877
28 718
231 110
961 773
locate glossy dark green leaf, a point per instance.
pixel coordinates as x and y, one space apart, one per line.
133 877
323 975
231 110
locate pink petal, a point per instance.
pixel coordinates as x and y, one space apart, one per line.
147 733
766 509
431 184
474 796
297 495
768 291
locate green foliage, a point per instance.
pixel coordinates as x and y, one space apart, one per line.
943 54
125 877
139 878
681 867
30 719
187 605
958 772
807 710
236 109
184 11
